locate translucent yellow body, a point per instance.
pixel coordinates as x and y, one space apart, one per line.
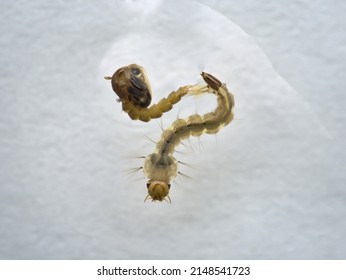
160 167
130 83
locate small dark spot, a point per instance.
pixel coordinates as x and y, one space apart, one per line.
135 71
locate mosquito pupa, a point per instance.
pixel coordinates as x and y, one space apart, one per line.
132 86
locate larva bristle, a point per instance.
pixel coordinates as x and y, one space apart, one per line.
133 171
148 138
133 157
186 164
184 175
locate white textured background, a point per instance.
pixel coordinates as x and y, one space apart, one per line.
270 185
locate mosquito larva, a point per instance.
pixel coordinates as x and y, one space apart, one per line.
131 85
161 166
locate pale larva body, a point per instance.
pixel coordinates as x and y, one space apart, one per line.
161 167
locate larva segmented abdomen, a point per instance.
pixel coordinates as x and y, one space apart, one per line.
156 110
196 125
131 85
160 167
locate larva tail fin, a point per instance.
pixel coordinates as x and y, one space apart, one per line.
212 82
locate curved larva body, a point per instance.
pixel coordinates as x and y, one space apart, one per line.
160 167
131 84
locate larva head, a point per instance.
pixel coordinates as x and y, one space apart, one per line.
158 190
131 84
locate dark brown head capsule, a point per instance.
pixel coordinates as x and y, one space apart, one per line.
130 83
